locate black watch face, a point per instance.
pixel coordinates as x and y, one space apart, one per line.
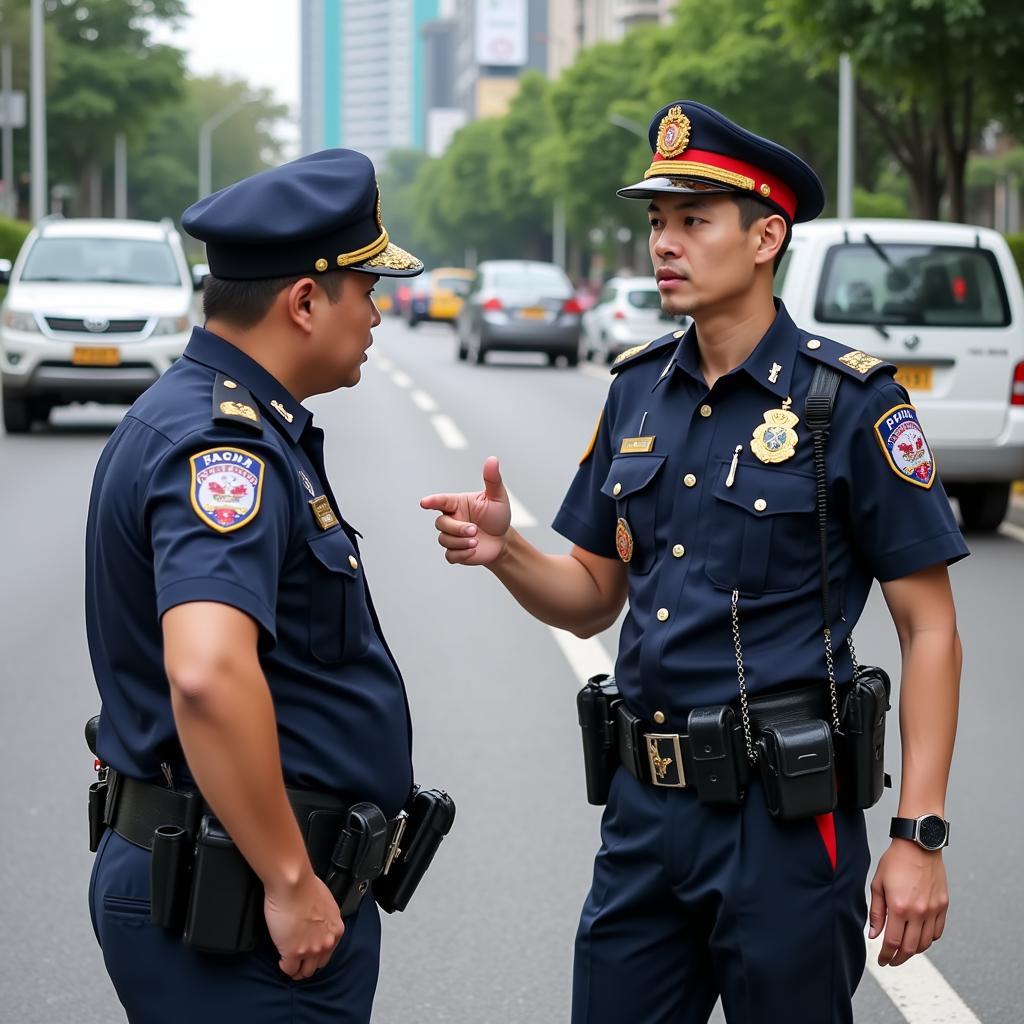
931 832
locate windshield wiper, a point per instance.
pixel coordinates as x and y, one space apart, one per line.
882 255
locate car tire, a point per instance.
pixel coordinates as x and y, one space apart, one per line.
982 506
17 414
477 354
413 321
572 359
461 352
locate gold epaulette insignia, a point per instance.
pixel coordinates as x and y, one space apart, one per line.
630 352
860 361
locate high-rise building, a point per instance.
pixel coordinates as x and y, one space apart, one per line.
362 74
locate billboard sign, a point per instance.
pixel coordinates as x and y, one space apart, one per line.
501 33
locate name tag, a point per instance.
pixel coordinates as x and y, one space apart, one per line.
323 513
637 444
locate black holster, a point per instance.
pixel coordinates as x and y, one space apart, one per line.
595 705
861 742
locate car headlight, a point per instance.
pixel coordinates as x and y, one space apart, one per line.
171 325
20 321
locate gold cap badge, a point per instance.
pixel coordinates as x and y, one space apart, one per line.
673 133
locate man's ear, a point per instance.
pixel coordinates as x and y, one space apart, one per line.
773 233
298 303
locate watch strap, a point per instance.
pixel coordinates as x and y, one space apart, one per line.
903 828
912 829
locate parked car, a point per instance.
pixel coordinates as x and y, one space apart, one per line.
519 306
944 302
438 295
627 313
95 310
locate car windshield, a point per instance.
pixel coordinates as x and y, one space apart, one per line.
533 278
101 260
459 285
646 298
916 285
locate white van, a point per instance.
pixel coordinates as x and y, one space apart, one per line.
95 310
943 302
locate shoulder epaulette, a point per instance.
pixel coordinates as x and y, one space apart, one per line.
648 348
233 404
849 361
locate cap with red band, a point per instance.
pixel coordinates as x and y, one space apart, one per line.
696 149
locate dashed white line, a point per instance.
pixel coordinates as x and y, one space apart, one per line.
450 434
423 401
1013 531
586 657
401 380
520 517
918 990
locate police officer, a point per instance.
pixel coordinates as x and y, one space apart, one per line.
234 642
696 500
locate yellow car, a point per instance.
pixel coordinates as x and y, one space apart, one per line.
438 295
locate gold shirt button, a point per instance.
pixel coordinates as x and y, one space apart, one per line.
813 344
678 550
705 411
659 717
690 480
230 384
353 562
760 504
662 614
617 489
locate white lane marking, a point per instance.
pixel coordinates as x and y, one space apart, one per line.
1013 531
383 363
520 517
448 432
401 380
423 401
596 372
918 990
586 657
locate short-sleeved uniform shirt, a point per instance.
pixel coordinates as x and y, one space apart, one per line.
697 528
213 488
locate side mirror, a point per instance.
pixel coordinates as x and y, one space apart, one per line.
5 271
200 272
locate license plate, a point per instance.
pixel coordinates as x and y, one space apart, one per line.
915 378
533 313
89 355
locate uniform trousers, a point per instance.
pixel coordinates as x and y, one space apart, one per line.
160 980
691 902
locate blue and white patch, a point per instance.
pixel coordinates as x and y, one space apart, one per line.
905 446
227 484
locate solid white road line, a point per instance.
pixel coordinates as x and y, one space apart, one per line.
448 432
401 380
383 363
586 657
520 517
918 991
423 401
1013 531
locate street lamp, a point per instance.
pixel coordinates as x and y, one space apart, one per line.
629 124
206 130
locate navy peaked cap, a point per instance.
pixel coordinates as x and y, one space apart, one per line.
697 149
309 216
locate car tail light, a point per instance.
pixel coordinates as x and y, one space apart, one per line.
572 306
619 315
493 305
1017 389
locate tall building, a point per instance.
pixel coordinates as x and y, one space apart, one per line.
362 74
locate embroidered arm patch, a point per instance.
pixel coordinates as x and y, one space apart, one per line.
227 484
904 445
593 440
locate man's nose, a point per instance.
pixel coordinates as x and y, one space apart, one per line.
667 245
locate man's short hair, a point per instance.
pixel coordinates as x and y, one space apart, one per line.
751 208
245 303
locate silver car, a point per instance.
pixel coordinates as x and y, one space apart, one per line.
627 313
519 306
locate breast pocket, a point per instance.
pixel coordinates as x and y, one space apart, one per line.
764 533
339 620
633 481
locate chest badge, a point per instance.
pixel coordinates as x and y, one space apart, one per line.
623 540
775 440
323 513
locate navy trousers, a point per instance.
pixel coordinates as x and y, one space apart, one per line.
159 980
692 902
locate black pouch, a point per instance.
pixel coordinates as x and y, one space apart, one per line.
359 856
97 817
595 704
169 869
431 813
225 902
861 744
719 772
798 769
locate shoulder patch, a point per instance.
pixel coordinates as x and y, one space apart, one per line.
639 352
593 439
850 362
227 484
233 404
904 446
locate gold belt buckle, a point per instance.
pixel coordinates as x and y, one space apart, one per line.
665 757
393 848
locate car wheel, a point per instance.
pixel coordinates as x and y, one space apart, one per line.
17 414
460 350
572 358
477 352
982 506
413 321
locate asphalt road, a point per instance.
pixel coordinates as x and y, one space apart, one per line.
488 940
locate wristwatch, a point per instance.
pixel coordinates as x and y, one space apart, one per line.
930 832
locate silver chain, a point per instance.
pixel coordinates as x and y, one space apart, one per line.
830 665
853 655
742 677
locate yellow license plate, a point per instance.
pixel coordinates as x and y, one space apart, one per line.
89 355
915 378
533 313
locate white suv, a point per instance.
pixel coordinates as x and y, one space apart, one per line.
627 313
943 302
96 310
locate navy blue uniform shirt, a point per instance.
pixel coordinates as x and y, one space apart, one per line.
207 491
696 536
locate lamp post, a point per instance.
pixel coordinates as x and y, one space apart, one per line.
844 186
629 124
37 164
206 130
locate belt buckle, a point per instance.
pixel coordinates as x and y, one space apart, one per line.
393 848
665 762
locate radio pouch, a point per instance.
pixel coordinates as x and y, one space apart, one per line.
716 771
798 769
862 741
359 856
595 704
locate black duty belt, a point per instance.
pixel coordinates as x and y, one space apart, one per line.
669 760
